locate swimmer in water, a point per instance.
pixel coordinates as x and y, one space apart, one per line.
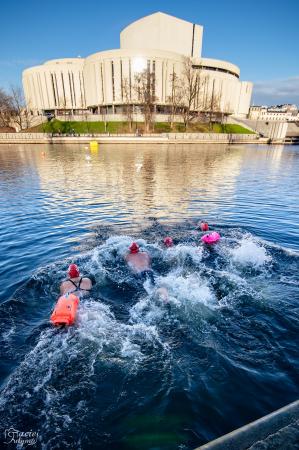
204 226
138 261
140 264
168 241
75 284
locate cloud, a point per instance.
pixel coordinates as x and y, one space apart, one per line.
276 91
18 62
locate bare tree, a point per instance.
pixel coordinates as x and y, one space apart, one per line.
144 88
20 115
192 81
27 117
176 99
87 122
211 107
62 103
225 112
6 109
220 109
127 102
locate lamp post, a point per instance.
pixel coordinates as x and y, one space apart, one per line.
135 115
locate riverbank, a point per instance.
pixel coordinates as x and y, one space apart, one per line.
162 138
67 126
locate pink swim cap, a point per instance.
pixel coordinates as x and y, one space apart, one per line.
134 247
73 271
168 242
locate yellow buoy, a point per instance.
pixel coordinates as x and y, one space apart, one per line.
93 145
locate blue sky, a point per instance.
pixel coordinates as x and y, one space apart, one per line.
261 37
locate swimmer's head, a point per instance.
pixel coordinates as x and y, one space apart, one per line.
168 242
204 226
134 247
73 271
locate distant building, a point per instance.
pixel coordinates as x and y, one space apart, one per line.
157 43
282 113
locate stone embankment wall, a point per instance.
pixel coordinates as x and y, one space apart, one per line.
171 138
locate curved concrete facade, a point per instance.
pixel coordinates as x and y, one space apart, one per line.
102 82
57 84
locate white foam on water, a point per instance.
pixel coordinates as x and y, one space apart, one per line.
121 244
96 338
250 253
129 350
148 310
7 334
289 280
98 324
185 292
181 252
189 290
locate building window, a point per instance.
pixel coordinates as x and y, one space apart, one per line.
81 90
47 89
162 81
112 77
63 90
103 98
56 86
40 90
121 81
53 87
130 79
154 79
83 85
216 69
71 91
74 91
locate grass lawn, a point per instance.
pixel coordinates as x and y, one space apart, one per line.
68 127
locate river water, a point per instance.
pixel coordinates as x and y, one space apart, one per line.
134 372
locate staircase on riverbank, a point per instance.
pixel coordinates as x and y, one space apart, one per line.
292 136
287 132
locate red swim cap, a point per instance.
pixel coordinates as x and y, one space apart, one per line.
134 247
168 242
73 271
204 226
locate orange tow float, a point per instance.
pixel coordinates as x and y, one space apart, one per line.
65 310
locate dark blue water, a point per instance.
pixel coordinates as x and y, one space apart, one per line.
135 373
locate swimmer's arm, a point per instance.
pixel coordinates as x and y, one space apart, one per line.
62 288
87 283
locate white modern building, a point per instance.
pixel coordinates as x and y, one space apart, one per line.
102 82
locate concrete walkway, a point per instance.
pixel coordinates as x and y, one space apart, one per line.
164 138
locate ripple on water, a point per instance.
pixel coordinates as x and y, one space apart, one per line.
187 363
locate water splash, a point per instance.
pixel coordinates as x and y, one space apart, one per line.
250 253
131 352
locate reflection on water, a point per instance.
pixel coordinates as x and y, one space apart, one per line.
51 196
134 372
132 182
